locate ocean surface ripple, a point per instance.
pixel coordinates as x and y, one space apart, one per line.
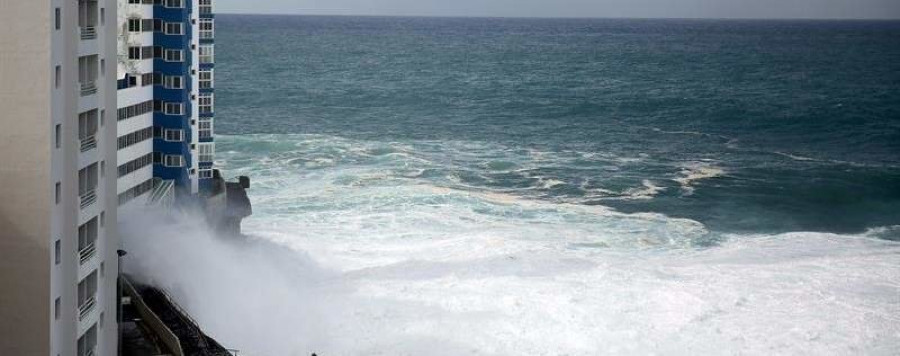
582 187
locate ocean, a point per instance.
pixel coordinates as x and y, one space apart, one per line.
570 186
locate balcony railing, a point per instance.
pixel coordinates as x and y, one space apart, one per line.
88 198
88 88
88 143
88 32
85 309
87 253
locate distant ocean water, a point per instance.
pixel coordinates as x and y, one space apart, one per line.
513 186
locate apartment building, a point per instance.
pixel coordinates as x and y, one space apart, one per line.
57 180
165 99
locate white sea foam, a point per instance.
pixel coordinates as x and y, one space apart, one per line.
647 191
411 267
501 291
693 172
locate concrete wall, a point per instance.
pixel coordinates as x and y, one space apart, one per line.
26 189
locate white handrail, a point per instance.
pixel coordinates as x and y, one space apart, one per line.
86 308
86 253
88 198
88 143
88 88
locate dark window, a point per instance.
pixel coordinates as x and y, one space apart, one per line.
134 53
134 25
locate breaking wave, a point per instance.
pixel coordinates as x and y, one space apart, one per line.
385 256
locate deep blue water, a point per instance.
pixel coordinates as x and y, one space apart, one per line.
743 126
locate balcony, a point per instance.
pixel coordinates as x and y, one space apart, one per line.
88 143
88 88
85 309
88 198
88 33
87 253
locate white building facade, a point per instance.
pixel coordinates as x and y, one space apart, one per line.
57 178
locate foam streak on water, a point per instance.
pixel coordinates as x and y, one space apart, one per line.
410 248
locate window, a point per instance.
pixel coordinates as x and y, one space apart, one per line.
87 73
174 3
87 180
174 28
174 55
148 52
174 109
174 82
206 29
206 103
58 18
134 53
87 124
87 294
57 252
174 161
57 305
58 192
146 79
206 79
207 54
135 191
174 135
87 14
205 6
58 135
135 25
135 137
87 343
206 174
134 165
58 76
135 110
205 152
87 238
206 129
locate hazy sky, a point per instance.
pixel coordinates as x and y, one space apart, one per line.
576 8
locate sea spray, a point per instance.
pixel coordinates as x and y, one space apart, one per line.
249 294
484 293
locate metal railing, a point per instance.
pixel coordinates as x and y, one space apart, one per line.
88 88
161 190
87 253
88 32
88 143
88 198
85 309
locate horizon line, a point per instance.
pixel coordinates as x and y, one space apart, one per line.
883 19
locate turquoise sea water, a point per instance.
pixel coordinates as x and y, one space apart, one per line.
512 186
